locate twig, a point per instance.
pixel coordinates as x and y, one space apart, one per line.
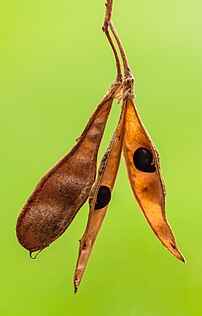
105 30
108 23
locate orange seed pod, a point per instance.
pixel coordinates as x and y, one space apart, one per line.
99 198
142 162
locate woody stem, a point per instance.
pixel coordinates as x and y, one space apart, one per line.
108 23
105 30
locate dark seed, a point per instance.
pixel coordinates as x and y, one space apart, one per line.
103 197
142 159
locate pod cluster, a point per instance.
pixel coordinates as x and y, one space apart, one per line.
63 190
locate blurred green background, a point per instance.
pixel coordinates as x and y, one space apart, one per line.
55 66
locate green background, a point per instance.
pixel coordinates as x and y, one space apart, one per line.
56 65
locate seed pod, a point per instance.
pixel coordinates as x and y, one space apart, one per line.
99 198
142 162
65 187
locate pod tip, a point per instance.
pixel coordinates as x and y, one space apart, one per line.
76 284
182 258
75 289
176 252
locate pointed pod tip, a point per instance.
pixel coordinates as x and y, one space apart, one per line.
173 249
76 284
178 254
182 258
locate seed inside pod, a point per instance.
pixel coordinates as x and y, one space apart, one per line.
103 197
142 159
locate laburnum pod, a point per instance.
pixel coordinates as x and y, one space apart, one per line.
143 167
100 197
66 186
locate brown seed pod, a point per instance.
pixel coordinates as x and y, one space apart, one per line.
99 198
65 187
142 162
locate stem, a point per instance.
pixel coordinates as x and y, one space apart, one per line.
108 13
108 22
127 71
119 76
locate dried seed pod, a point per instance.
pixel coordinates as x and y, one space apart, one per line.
63 190
99 198
142 162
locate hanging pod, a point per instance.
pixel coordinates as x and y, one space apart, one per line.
99 198
65 187
143 167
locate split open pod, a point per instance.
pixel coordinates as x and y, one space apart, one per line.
100 196
143 167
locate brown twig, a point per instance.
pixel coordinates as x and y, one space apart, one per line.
119 76
108 14
105 30
108 23
127 71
